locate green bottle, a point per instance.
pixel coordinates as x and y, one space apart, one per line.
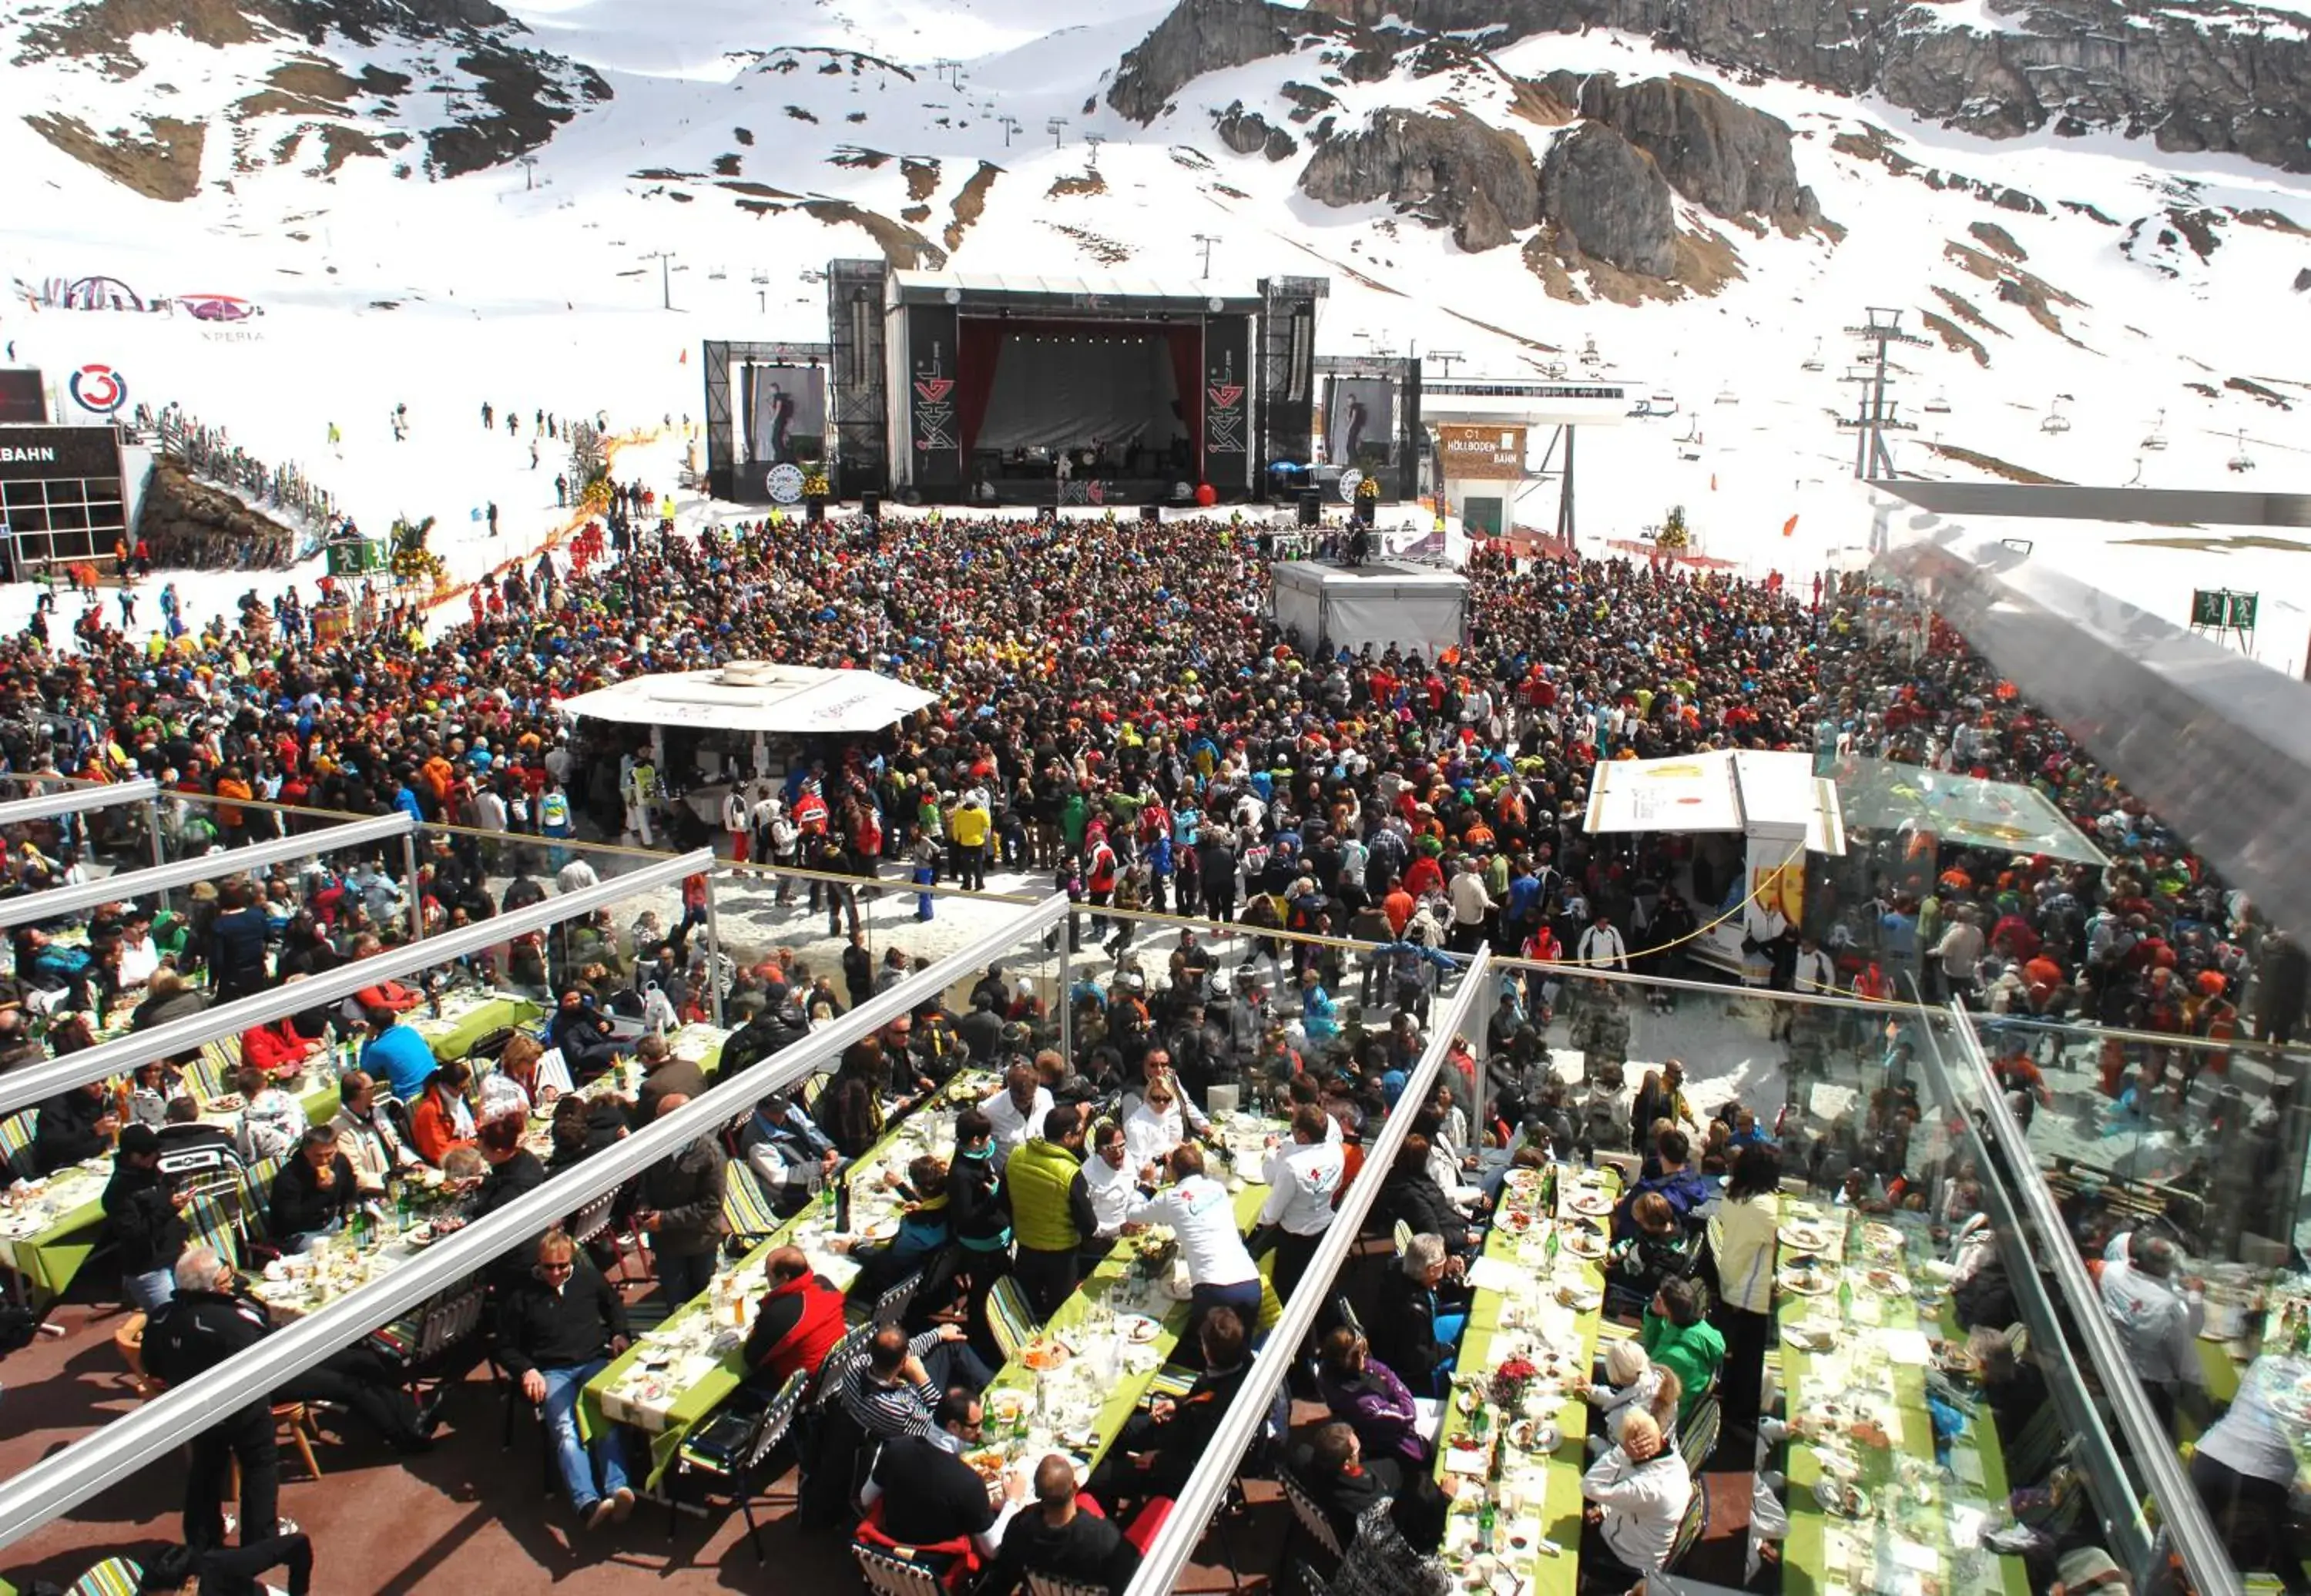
404 1206
1487 1527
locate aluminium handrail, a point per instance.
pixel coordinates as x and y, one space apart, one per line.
60 1482
38 1083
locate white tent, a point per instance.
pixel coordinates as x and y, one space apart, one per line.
752 696
1773 802
1379 602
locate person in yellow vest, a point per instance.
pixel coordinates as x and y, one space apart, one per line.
1050 1210
968 828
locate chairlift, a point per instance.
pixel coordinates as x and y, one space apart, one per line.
2242 461
2157 439
1812 362
1938 405
1589 355
2055 420
1552 369
1661 404
717 274
1726 396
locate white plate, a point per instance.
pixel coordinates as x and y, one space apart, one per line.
1138 1328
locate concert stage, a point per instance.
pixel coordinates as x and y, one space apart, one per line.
945 389
1381 601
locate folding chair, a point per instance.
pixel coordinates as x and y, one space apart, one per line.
747 1208
843 1356
1697 1436
735 1469
1689 1527
1312 1584
1010 1319
1401 1233
1309 1516
891 1576
1044 1584
16 1143
891 1307
114 1576
593 1218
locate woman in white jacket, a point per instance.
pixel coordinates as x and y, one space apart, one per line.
1742 1235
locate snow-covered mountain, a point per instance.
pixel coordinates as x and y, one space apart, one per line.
2085 204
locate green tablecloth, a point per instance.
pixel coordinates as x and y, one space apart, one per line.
1123 1396
1560 1510
704 1396
50 1261
453 1037
1805 1567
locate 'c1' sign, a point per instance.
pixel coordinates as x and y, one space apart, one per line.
1484 454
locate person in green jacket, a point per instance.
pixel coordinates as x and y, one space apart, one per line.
1676 1336
1052 1213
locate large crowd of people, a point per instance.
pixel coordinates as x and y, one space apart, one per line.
1117 713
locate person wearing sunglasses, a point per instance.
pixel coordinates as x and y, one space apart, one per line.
556 1331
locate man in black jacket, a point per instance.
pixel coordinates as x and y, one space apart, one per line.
929 1495
1159 1446
682 1213
73 1125
210 1320
228 1571
557 1329
1341 1482
1416 1326
144 1218
1057 1538
315 1191
1412 1194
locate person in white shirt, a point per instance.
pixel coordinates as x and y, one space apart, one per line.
1601 945
2157 1317
1152 1130
1304 1179
1637 1496
1202 1215
1018 1111
1815 971
576 875
1959 951
1113 1184
140 961
1470 904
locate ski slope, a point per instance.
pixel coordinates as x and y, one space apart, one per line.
544 285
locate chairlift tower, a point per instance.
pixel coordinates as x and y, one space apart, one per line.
1882 328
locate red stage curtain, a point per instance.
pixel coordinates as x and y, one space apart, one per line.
1187 375
979 347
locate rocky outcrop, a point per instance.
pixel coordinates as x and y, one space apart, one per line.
1710 147
188 521
1248 133
1610 199
1448 171
1203 36
2191 75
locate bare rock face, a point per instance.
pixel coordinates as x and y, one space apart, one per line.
1713 150
1203 36
1449 172
1610 197
1248 133
2191 75
180 514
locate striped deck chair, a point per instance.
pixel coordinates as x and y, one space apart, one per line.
1010 1320
211 1221
211 1068
16 1143
747 1208
114 1576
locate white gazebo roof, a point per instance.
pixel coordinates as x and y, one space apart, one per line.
1748 790
752 696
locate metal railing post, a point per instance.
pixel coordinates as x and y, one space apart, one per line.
417 897
713 953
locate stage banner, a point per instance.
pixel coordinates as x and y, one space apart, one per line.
934 433
786 414
1227 403
1481 454
1359 413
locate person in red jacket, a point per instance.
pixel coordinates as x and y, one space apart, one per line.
278 1048
800 1320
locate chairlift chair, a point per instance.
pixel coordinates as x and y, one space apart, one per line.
1726 396
2242 461
1938 405
1812 362
2055 420
2156 440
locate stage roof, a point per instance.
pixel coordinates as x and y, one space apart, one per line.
1083 295
750 696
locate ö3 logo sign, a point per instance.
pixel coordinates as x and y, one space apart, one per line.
100 389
